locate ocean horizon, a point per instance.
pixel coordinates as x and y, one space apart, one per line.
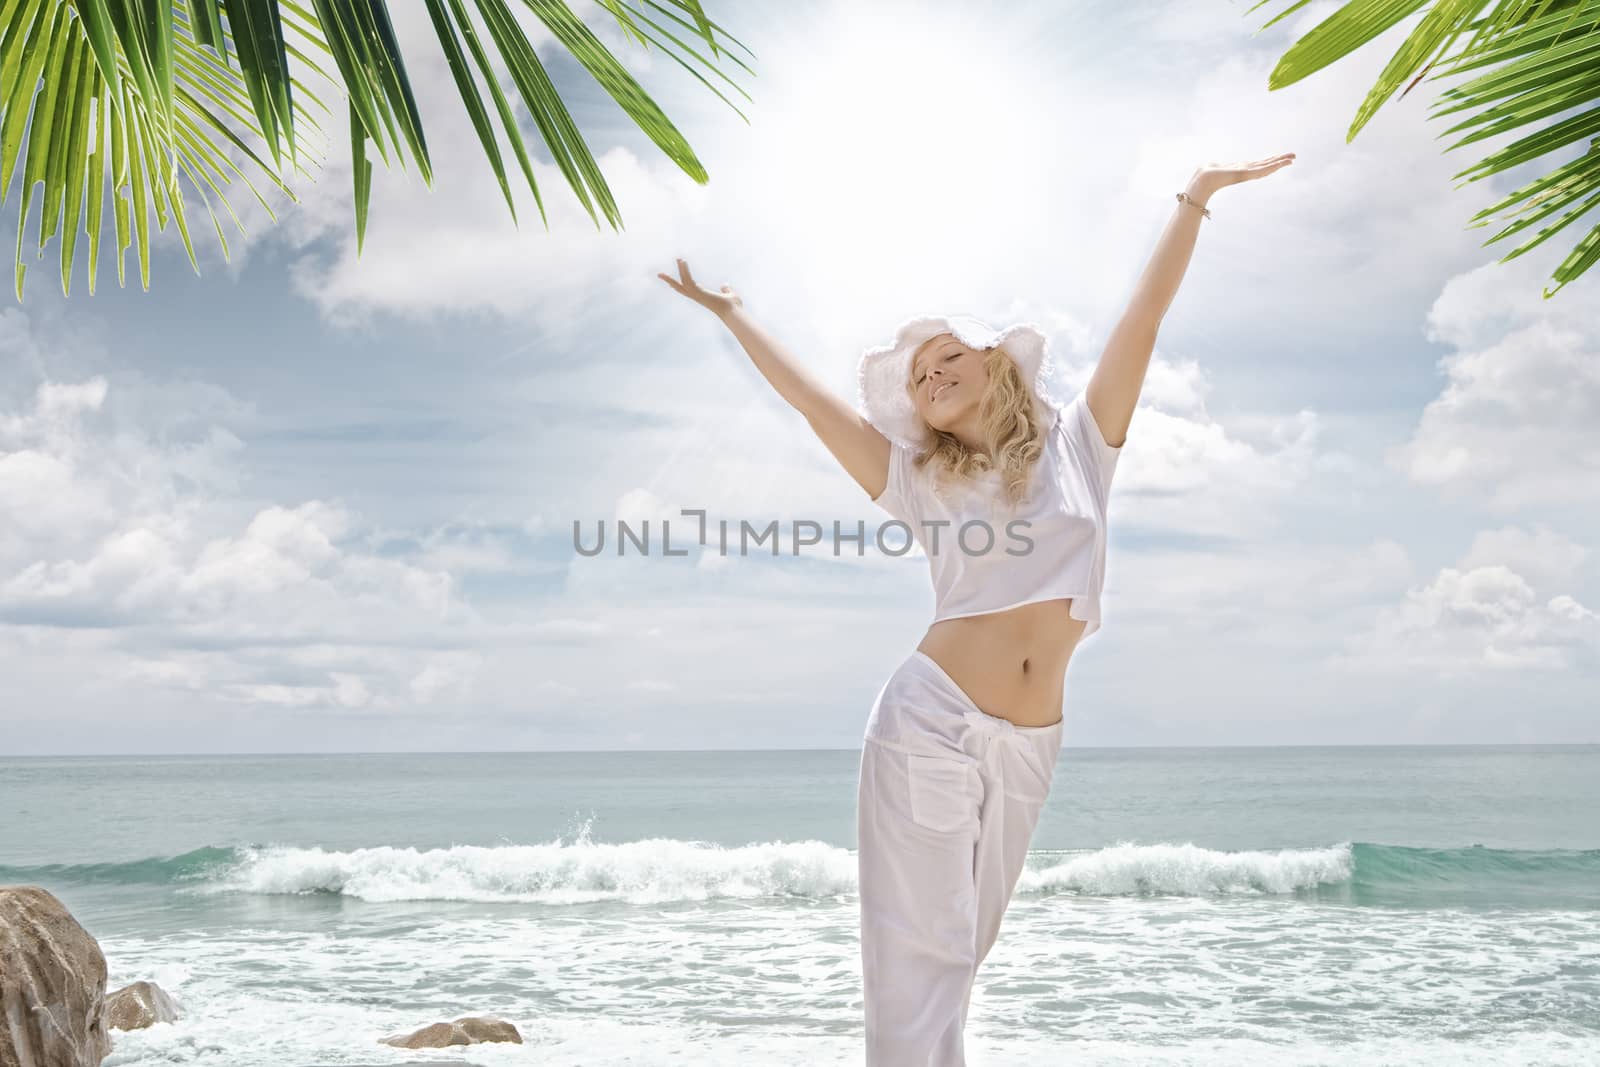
548 751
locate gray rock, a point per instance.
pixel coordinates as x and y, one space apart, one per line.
52 984
467 1030
141 1004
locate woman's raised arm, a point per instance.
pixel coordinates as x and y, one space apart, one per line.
854 442
1113 390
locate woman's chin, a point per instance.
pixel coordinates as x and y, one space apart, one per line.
944 418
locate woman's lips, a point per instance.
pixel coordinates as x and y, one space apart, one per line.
940 389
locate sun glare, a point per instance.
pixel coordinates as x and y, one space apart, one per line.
919 143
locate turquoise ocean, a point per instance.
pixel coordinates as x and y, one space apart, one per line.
1388 905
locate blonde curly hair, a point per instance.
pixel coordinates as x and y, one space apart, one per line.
1012 428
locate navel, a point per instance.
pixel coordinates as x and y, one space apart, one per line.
1024 666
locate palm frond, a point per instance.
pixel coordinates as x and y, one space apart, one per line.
83 129
1540 60
155 94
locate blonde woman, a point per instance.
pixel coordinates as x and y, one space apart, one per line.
1005 489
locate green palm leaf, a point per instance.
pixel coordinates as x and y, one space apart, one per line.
1540 63
153 95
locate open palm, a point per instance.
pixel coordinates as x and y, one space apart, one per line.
721 301
1218 175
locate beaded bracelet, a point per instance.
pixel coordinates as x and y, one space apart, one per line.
1184 198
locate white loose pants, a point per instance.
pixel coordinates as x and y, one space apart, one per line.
947 803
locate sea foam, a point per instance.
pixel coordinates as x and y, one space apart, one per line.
657 870
1188 870
642 872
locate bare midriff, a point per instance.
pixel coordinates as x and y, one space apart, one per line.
1012 664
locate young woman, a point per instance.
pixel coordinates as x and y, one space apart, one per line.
1005 489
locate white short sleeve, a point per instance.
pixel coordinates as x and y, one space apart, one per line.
1077 422
898 497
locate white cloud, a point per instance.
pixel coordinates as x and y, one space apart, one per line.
1191 474
292 696
1277 592
445 674
569 629
466 548
1543 555
1487 612
109 531
1514 425
349 691
1185 470
1567 608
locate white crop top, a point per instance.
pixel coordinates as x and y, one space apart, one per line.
986 558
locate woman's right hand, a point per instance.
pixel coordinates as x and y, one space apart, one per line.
721 302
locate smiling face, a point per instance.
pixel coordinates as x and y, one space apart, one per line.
947 382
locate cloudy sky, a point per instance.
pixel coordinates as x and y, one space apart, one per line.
310 502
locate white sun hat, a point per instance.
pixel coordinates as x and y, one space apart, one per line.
883 371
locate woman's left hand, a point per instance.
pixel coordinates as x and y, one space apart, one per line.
1214 176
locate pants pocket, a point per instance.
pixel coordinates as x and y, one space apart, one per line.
941 793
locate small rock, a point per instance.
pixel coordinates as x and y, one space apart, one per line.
438 1035
488 1028
141 1004
467 1030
